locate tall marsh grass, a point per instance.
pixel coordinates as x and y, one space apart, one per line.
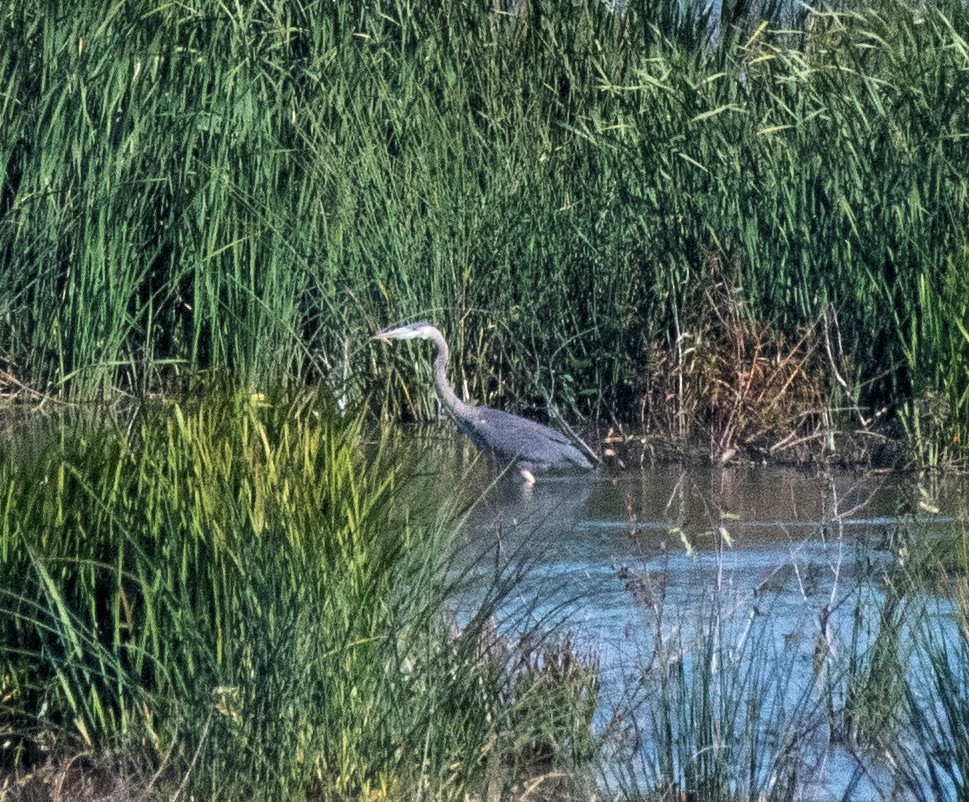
232 592
258 187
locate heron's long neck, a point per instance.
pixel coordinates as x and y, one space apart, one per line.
448 397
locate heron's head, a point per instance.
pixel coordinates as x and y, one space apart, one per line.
412 331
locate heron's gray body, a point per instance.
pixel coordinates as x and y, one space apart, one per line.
503 437
508 438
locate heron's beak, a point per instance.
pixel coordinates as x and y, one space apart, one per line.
393 333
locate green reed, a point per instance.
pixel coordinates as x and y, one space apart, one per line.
863 696
932 757
232 590
258 188
703 702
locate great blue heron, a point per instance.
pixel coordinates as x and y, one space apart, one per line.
504 437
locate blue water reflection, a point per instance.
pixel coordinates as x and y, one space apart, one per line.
767 582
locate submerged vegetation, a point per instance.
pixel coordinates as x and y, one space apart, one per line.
748 229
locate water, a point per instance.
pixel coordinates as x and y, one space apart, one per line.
767 583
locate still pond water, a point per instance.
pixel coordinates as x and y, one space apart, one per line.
766 584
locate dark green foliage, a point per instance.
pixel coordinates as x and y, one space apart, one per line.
258 187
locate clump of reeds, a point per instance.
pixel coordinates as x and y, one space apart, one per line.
257 188
850 685
722 710
226 592
931 754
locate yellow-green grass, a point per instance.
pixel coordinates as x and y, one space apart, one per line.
231 592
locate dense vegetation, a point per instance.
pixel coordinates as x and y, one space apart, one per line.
230 600
240 598
742 227
747 228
